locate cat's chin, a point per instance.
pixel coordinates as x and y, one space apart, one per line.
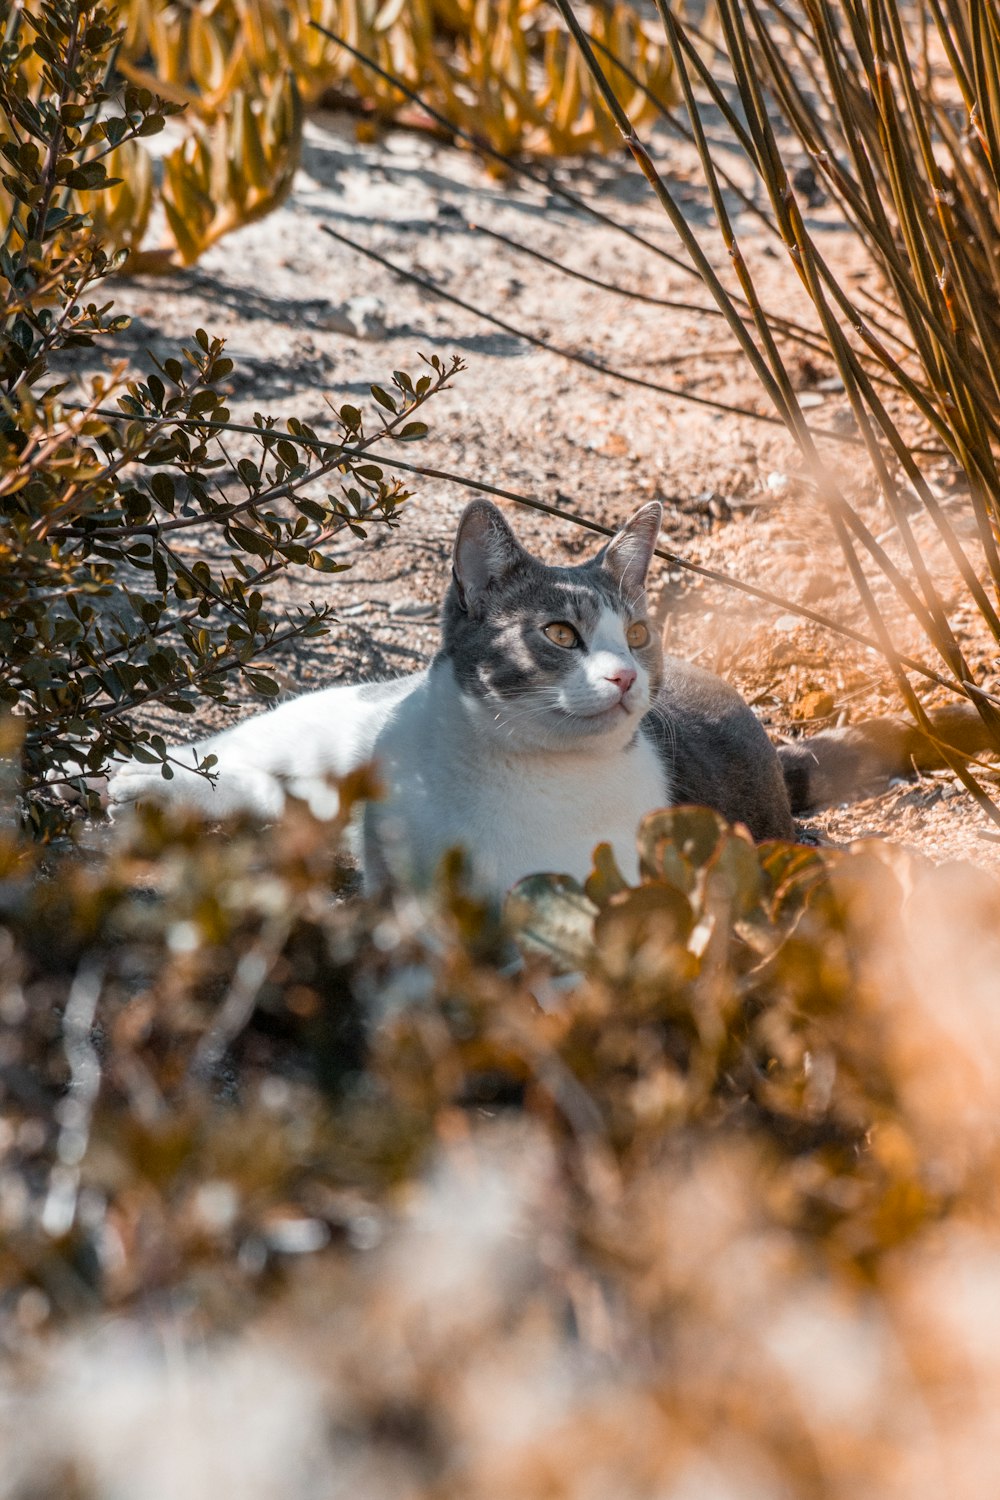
613 727
609 729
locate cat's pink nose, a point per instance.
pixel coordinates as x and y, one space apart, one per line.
622 679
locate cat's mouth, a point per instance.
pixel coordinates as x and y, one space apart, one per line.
608 714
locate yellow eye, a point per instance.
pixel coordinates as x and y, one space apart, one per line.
637 635
561 635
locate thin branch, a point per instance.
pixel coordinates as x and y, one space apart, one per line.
572 355
676 559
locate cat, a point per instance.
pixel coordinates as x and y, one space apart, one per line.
549 721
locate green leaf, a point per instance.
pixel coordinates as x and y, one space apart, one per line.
90 177
203 402
605 880
323 564
250 541
641 937
310 508
162 487
676 843
383 398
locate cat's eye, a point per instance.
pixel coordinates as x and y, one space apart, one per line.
637 635
561 634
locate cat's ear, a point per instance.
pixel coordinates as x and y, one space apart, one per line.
485 550
629 553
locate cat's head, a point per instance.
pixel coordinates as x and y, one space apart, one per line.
552 658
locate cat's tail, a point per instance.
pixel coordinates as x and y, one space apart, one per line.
838 764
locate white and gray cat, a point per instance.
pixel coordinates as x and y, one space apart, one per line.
548 721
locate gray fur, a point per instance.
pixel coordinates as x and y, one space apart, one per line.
717 752
839 763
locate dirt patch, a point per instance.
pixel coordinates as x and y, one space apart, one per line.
308 320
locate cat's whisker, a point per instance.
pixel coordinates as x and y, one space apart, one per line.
658 712
533 711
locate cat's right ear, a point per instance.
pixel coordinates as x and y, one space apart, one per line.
630 551
485 550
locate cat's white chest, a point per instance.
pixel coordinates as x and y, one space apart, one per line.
550 815
513 814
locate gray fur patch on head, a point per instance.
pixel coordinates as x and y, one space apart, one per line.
501 598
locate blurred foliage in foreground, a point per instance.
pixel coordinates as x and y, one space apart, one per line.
242 71
307 1197
138 550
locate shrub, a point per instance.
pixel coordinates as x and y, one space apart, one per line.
718 1156
106 606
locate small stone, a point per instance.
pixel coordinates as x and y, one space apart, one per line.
358 318
815 705
787 622
777 483
842 421
818 586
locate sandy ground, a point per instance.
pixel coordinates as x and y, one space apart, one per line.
531 421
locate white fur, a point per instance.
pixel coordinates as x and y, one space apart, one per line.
292 750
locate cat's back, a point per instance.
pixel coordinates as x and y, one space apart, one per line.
332 730
716 751
294 748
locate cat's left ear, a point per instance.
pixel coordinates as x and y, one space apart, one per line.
629 553
486 550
